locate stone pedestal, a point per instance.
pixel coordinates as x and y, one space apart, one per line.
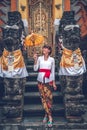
73 96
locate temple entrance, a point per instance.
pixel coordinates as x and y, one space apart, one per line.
40 21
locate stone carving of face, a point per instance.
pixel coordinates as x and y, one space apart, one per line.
71 38
11 37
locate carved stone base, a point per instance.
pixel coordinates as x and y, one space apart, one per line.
74 119
12 108
72 92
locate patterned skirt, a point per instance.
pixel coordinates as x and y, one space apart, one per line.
46 97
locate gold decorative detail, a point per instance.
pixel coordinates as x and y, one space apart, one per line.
34 39
58 6
23 7
41 23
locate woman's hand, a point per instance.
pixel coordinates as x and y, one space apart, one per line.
54 86
35 57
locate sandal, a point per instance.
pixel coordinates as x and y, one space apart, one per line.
50 123
45 119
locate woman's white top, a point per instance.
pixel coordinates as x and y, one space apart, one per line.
45 64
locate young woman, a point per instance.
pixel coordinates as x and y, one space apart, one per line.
45 65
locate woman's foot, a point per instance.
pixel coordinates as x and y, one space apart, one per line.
50 122
45 119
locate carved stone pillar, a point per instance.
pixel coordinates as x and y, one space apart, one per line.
71 80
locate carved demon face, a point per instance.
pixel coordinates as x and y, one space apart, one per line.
11 37
71 37
14 17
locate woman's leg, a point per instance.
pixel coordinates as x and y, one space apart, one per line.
46 98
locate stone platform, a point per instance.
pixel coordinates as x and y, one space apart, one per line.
34 123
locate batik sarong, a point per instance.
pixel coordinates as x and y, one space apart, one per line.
46 97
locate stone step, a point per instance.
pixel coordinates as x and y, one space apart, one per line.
84 101
30 61
37 110
35 123
33 97
31 86
59 123
36 94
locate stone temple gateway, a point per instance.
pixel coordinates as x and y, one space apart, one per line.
20 106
